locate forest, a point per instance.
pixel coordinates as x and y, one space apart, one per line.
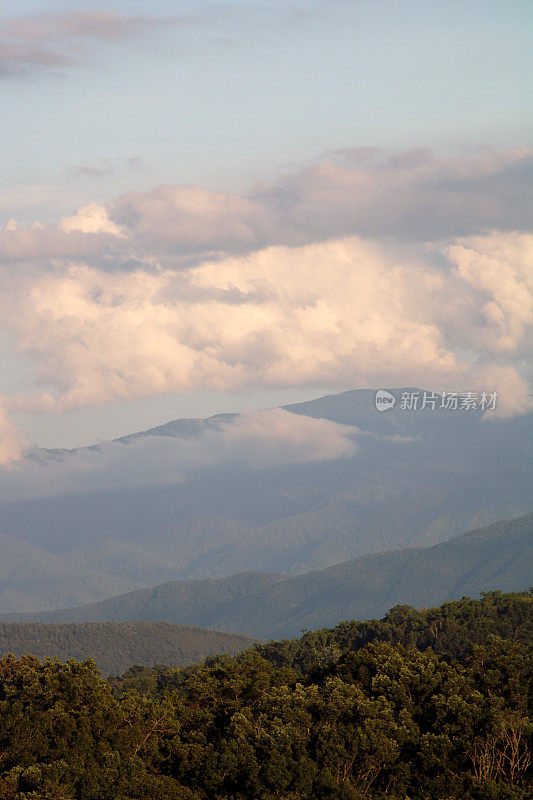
116 646
420 705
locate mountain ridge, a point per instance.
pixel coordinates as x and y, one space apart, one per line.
416 478
117 646
497 557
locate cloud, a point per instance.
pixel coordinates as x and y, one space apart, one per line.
258 439
409 196
72 238
46 42
279 317
10 439
190 219
89 219
500 268
104 167
342 312
325 277
51 42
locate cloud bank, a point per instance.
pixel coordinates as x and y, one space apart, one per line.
258 439
407 196
364 269
410 196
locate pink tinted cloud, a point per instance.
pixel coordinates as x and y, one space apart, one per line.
44 42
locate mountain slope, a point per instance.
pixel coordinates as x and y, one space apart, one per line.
416 478
29 573
117 646
496 557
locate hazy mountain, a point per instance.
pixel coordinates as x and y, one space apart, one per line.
416 478
28 574
116 646
496 557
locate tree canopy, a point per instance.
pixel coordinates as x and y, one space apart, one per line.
419 705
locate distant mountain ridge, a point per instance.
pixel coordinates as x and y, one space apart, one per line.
185 427
499 556
417 478
116 646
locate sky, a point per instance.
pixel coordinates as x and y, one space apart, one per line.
223 206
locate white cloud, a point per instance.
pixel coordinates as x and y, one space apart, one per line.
347 311
411 196
90 219
258 439
500 267
184 289
46 244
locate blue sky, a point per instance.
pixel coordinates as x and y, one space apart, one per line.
226 96
231 93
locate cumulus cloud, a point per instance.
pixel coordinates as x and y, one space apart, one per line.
89 219
258 439
51 41
88 234
190 219
500 268
412 196
278 317
408 196
185 289
346 311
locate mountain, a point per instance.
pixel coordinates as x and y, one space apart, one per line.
29 573
116 646
499 556
416 478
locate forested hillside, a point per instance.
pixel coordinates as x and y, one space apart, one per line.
354 713
449 630
115 646
497 557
